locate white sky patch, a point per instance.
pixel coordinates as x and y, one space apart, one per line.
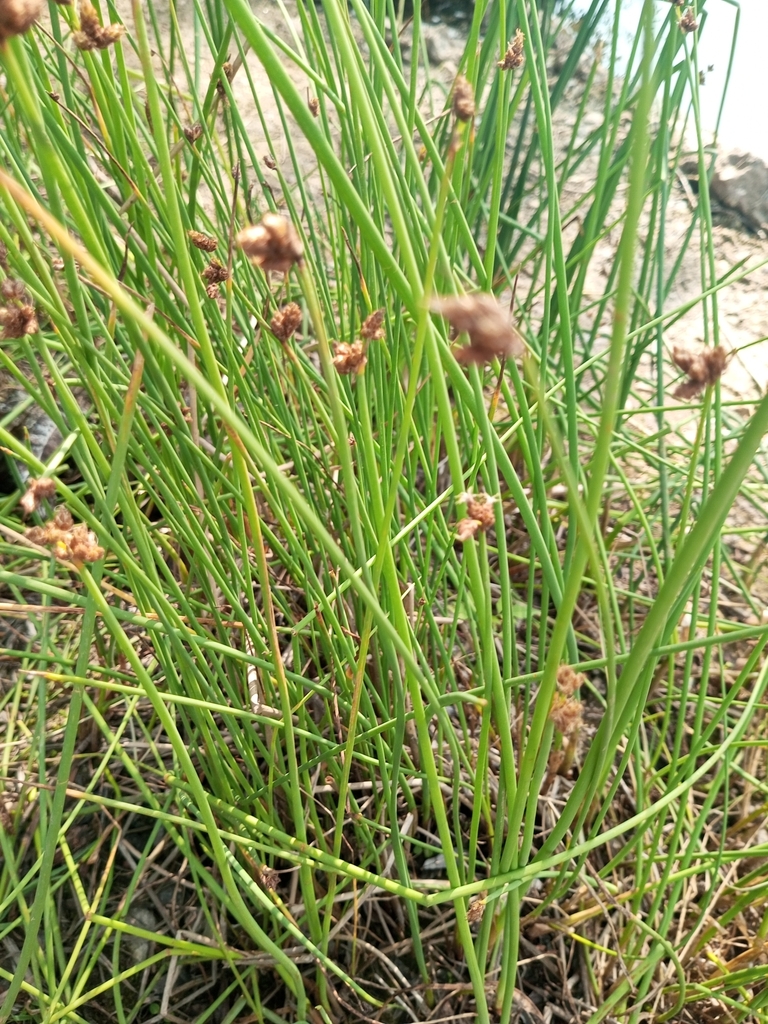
744 122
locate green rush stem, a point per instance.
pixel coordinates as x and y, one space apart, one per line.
73 715
694 465
600 460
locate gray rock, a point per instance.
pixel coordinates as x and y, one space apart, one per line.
444 44
740 182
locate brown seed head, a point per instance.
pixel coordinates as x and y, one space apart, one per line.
268 877
193 132
16 16
272 244
349 358
17 321
215 272
515 54
688 21
373 326
204 242
466 529
286 321
569 681
314 106
83 546
704 367
93 35
62 518
463 100
565 714
13 289
476 908
491 335
269 162
480 509
212 291
38 491
67 542
36 534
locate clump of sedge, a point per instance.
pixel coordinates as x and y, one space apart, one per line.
704 368
688 21
491 335
514 56
18 318
204 242
349 357
463 100
67 541
373 326
36 493
286 321
273 244
93 35
16 16
480 516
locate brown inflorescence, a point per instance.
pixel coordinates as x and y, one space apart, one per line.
269 162
204 242
514 56
566 714
18 321
466 529
476 908
704 367
480 516
273 244
268 877
314 106
67 541
463 99
16 16
93 35
373 326
193 132
37 491
569 681
688 21
286 321
12 288
215 272
349 358
491 335
228 72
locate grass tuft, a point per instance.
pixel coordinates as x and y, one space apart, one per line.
352 668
